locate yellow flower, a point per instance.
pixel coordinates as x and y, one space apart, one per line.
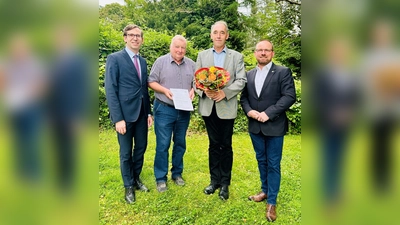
212 69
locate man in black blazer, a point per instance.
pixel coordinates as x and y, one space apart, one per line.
269 92
129 105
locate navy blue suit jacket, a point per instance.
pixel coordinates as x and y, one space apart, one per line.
125 92
277 95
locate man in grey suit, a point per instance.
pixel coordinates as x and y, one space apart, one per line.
219 108
129 104
269 92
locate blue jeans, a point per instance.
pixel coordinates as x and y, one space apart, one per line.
269 154
169 123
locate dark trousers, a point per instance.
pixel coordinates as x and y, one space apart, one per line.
66 151
383 130
132 146
220 152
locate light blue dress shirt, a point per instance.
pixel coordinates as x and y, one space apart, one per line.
219 58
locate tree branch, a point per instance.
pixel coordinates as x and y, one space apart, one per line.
290 1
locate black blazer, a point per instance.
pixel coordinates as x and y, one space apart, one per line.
277 95
125 92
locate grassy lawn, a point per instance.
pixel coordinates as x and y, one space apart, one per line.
188 204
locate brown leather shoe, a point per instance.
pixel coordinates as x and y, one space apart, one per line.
271 213
258 197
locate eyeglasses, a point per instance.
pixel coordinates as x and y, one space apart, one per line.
134 35
264 50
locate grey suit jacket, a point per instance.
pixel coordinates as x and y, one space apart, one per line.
276 96
227 108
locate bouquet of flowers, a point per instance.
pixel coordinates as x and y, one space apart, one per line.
213 78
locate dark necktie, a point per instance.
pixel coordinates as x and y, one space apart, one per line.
135 61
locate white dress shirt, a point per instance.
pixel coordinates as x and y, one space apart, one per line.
260 77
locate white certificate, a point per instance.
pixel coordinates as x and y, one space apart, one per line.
181 99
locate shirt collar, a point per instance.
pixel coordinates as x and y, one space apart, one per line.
266 67
223 50
130 53
172 60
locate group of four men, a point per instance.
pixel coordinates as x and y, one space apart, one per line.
267 92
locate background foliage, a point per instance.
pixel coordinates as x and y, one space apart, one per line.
278 21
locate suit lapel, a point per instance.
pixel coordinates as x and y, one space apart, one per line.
130 63
227 60
251 81
268 79
128 59
210 58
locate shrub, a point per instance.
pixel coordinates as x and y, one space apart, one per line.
294 112
157 44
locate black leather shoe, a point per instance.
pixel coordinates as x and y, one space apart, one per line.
224 193
140 186
210 189
129 195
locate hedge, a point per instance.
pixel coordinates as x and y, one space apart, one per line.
157 44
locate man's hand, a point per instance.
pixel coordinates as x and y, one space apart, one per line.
253 114
215 95
120 127
168 93
149 121
210 94
263 117
191 94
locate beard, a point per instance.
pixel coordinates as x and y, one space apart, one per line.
263 61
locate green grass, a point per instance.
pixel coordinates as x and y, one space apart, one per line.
188 204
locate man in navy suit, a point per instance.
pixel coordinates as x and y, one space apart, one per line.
129 105
269 92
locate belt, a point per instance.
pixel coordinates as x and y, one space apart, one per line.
164 103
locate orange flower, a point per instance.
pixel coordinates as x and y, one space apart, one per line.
212 77
202 76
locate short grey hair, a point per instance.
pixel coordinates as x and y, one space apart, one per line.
178 37
220 22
